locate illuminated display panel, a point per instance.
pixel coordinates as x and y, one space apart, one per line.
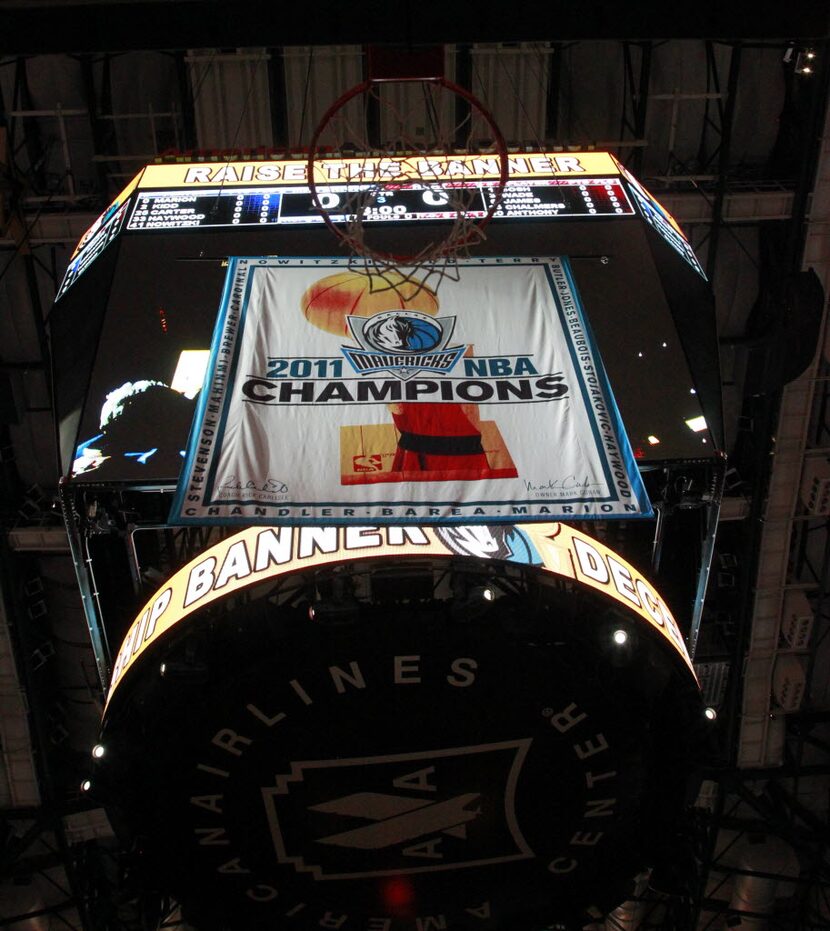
102 232
544 199
110 226
662 222
352 170
257 554
542 185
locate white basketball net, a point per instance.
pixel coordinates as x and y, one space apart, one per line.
402 144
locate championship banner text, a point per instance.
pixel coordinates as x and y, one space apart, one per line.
333 397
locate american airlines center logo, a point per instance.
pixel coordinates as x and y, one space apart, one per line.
403 343
468 781
403 813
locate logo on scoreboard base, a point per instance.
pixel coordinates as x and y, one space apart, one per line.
404 813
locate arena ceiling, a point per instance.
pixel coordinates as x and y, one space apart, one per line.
711 107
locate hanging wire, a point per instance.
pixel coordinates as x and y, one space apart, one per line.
725 226
625 95
305 97
519 97
574 119
433 116
24 239
476 76
246 102
543 54
197 90
242 115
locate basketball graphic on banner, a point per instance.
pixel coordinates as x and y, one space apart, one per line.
328 302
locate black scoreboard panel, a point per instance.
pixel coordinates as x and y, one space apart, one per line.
542 199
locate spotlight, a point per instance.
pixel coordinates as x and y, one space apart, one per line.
710 713
620 637
98 751
86 785
185 671
470 600
338 611
804 62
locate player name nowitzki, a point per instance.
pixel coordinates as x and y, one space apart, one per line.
390 391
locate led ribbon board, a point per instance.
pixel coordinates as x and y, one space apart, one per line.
258 554
331 397
543 185
96 239
250 194
660 220
522 165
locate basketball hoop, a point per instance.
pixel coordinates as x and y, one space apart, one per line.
410 149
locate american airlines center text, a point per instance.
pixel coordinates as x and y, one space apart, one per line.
421 783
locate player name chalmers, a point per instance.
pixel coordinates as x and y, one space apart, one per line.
393 390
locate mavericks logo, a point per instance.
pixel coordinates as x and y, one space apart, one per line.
402 342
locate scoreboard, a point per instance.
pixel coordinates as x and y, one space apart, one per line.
590 186
137 304
545 199
130 335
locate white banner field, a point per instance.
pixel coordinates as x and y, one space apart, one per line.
336 396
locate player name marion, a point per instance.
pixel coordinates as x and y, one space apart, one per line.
356 391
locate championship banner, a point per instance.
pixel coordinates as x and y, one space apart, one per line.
335 396
257 554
